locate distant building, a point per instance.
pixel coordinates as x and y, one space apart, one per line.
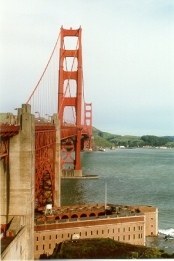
129 224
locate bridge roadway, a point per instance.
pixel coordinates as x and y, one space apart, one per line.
67 131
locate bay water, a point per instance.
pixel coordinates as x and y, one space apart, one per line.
133 176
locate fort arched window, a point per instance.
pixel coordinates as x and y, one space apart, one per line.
92 215
65 217
83 215
101 214
74 216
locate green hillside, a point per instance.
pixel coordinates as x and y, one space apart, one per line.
105 139
103 248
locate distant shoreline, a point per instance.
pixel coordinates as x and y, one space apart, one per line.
82 177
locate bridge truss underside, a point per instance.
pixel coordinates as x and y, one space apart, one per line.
44 165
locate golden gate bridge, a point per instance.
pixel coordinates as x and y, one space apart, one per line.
59 91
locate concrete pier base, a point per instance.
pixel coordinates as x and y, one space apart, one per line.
70 173
78 173
17 202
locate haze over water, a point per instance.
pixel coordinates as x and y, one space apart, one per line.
133 176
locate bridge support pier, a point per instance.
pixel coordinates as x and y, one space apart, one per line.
78 173
77 169
57 194
19 186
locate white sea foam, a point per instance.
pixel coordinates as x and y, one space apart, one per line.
167 232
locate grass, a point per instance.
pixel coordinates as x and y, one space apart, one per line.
102 248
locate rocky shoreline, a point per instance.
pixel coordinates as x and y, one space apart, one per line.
161 242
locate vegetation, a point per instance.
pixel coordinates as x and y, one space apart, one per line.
103 248
105 139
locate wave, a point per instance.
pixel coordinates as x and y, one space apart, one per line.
167 232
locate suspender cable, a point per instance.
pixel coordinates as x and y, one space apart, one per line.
29 99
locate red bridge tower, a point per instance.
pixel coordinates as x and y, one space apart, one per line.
72 143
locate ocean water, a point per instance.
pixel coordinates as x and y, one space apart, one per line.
133 176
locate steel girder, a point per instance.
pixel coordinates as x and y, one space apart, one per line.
45 145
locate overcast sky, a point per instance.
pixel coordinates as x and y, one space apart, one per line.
128 58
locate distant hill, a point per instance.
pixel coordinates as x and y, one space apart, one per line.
105 139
